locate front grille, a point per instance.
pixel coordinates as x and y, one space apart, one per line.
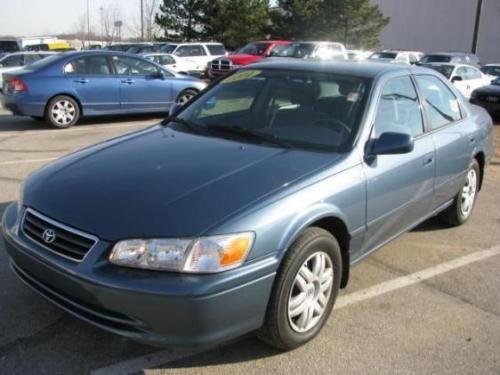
221 65
58 238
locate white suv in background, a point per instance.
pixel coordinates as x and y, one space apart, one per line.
199 53
397 57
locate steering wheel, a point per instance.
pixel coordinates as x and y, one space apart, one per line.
327 123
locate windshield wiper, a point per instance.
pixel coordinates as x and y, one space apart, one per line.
238 130
186 123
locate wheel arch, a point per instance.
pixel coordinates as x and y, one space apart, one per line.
331 220
481 159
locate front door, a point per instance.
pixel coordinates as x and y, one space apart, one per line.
399 187
143 86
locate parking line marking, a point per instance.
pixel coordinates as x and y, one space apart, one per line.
147 361
79 129
414 278
26 161
165 356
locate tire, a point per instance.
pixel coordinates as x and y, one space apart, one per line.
38 118
185 96
461 209
62 112
286 329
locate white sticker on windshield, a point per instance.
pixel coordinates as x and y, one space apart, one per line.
352 97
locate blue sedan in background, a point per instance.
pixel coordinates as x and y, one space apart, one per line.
63 88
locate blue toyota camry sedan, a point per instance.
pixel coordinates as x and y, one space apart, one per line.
63 88
245 209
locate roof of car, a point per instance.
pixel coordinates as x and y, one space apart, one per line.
359 69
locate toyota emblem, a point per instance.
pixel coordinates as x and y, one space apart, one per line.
49 235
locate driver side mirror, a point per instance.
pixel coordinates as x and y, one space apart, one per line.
158 75
174 110
391 144
456 79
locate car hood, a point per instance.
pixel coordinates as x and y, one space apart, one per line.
163 183
489 90
243 59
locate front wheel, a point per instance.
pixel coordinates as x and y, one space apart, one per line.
62 112
305 290
461 209
185 96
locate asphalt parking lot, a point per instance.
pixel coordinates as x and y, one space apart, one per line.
427 303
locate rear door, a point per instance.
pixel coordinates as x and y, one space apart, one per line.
399 187
94 84
449 132
144 87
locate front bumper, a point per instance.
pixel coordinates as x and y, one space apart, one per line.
155 307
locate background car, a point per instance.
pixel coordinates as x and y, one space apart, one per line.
488 97
466 78
8 45
396 56
200 53
358 55
452 58
175 63
65 87
13 61
491 69
312 50
252 52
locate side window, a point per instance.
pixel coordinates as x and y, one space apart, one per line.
399 109
441 104
473 73
98 65
165 60
197 50
28 59
132 66
11 61
76 66
182 51
462 72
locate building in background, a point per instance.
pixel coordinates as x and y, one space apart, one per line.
442 25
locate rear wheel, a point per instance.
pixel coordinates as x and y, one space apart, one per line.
185 96
305 290
461 209
62 112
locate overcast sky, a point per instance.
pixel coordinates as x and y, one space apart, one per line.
50 17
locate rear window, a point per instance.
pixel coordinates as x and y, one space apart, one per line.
40 64
216 49
9 46
435 59
383 55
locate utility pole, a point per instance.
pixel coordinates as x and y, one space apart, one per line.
88 22
102 24
142 20
477 26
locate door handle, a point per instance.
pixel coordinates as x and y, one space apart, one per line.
128 81
81 80
427 160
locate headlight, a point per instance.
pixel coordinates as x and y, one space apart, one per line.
201 255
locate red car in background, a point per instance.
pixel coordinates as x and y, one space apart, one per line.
251 53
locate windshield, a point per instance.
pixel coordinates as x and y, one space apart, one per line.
491 70
306 110
169 48
297 50
445 70
256 49
435 59
383 56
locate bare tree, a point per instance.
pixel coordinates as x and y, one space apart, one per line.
81 27
109 15
151 29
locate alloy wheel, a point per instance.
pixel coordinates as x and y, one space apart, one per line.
63 112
